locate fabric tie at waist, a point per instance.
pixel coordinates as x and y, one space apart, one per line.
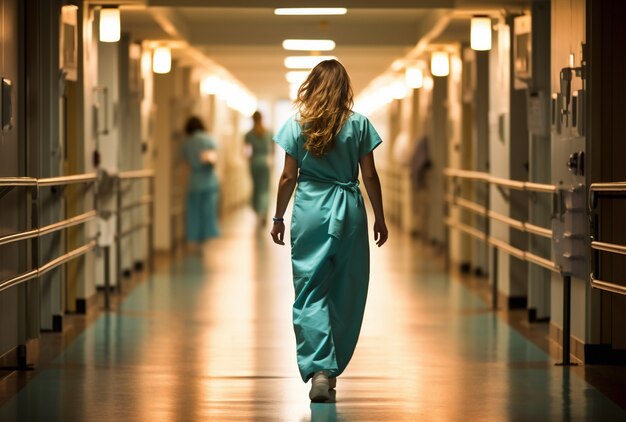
339 207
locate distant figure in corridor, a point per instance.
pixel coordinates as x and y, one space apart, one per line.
325 142
199 151
259 140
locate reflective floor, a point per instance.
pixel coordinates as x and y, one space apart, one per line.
210 338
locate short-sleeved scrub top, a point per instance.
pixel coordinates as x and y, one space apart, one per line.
329 245
202 189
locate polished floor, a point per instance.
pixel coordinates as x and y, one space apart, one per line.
210 338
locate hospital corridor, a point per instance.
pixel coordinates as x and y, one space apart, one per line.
154 155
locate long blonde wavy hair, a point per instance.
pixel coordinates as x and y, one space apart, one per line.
324 102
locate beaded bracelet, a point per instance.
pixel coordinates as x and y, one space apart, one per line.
278 219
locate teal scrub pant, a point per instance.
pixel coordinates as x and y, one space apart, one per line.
201 216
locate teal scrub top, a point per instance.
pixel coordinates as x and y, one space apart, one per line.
356 139
202 177
261 145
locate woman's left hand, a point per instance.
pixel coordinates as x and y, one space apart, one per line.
278 233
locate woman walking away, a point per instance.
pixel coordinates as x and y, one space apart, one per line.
199 152
326 142
259 139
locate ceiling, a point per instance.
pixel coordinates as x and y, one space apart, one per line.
246 38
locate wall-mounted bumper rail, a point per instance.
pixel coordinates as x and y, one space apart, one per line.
121 232
498 245
34 234
597 191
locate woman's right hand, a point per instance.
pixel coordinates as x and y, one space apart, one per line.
380 232
278 233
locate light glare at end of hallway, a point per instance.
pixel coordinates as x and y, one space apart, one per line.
414 77
439 63
162 60
110 25
290 11
309 45
305 62
210 85
480 33
297 76
293 91
398 90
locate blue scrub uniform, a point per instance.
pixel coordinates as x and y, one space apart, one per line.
202 190
329 246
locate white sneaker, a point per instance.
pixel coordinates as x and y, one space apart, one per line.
319 387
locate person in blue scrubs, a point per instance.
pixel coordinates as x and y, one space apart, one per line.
259 140
199 151
325 144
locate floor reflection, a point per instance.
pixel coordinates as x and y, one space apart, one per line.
210 338
325 412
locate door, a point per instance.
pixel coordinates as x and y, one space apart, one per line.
607 148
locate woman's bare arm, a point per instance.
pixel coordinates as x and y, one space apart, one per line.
372 186
286 185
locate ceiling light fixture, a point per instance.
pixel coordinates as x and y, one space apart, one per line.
398 90
413 76
439 63
210 85
162 60
109 24
297 76
480 33
305 62
309 45
299 11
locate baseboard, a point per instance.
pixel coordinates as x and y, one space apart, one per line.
22 357
465 267
515 302
57 323
138 266
577 346
84 305
532 316
604 354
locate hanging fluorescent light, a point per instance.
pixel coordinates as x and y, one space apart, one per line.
162 60
305 62
110 24
480 33
311 11
146 63
309 45
413 76
210 85
297 76
398 90
428 83
439 63
293 91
